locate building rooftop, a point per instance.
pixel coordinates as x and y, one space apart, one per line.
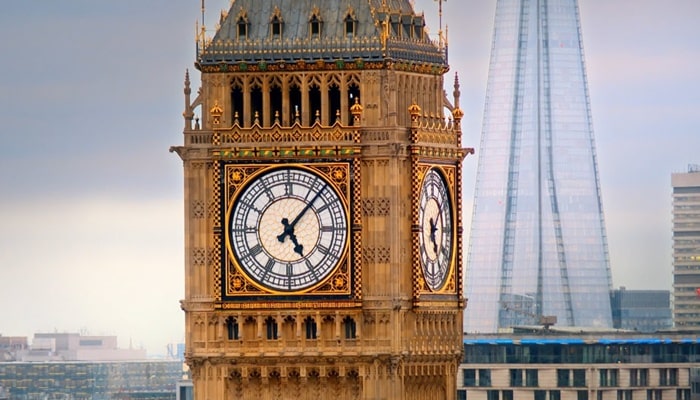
261 32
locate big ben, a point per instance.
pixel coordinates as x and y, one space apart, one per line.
323 222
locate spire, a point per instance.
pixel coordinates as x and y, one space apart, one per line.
457 112
188 113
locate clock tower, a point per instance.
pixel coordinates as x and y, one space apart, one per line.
323 221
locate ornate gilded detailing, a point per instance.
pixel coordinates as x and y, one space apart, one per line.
276 153
414 109
419 170
356 111
286 305
356 229
296 135
236 281
457 114
215 112
322 65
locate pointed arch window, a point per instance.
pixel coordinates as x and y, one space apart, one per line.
232 332
315 24
242 27
350 26
311 328
276 24
350 328
271 328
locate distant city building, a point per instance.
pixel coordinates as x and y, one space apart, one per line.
538 247
66 347
686 248
10 346
563 364
76 347
641 310
153 380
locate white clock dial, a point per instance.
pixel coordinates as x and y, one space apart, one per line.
288 229
435 237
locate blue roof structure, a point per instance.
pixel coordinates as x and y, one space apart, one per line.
261 32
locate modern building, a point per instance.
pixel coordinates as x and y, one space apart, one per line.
538 247
322 197
567 365
686 248
82 380
641 310
76 347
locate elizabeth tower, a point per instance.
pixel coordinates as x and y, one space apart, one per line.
322 205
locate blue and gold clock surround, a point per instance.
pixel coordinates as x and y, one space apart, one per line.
287 230
435 229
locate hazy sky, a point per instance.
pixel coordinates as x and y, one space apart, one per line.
91 209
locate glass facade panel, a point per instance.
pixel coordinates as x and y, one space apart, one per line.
537 245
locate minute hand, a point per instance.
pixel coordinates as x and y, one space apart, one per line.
306 208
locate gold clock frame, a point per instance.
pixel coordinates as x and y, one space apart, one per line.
235 282
450 174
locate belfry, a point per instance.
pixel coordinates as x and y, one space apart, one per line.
323 220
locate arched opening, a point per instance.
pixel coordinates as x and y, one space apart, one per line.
350 26
276 27
353 96
314 103
310 328
231 328
236 104
276 103
270 328
350 328
242 25
295 103
334 103
256 104
315 27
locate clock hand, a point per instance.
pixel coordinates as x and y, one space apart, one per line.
289 227
433 229
289 231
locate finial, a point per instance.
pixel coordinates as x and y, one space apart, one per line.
456 92
216 112
356 111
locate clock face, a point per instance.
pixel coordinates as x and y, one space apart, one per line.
435 237
288 229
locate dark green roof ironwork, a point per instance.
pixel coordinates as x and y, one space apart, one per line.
371 41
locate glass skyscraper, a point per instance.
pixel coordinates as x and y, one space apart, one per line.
538 246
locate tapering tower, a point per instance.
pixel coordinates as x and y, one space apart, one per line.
538 249
322 205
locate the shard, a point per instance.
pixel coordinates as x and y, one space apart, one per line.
538 248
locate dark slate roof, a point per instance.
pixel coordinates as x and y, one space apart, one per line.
296 43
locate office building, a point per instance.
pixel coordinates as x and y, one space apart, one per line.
152 379
538 247
686 248
641 310
567 365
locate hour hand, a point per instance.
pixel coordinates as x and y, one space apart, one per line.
289 231
433 229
